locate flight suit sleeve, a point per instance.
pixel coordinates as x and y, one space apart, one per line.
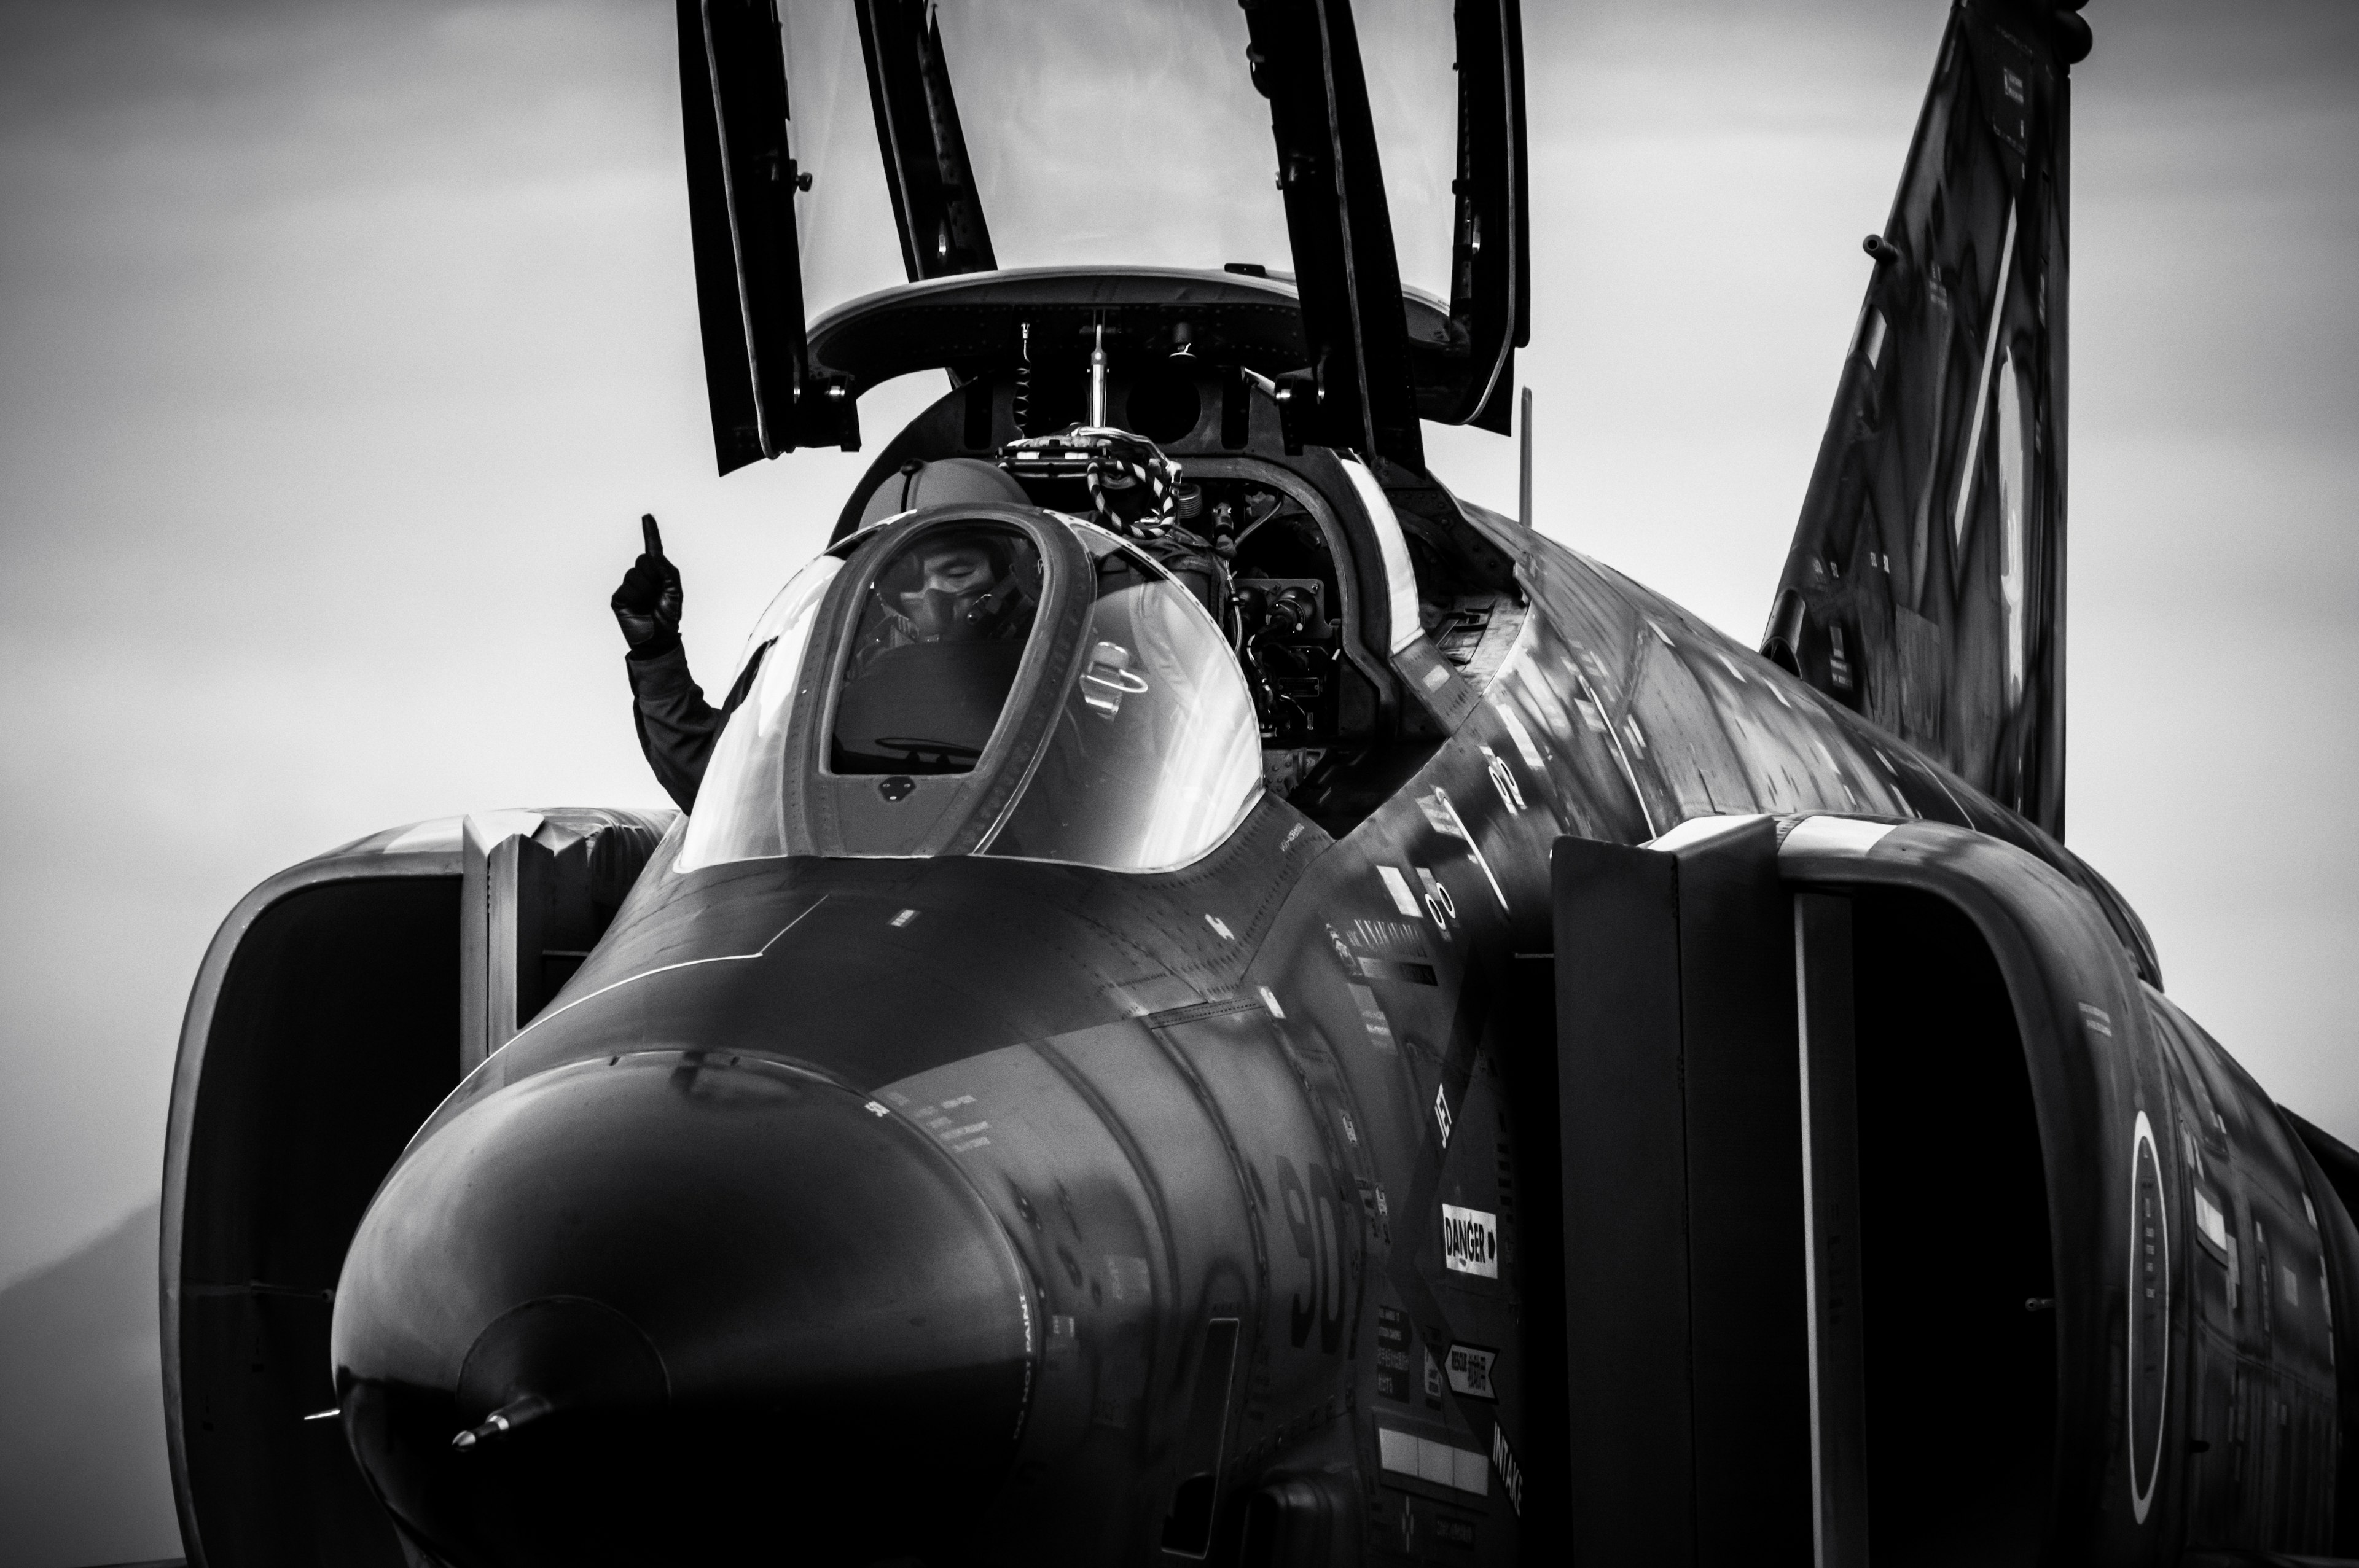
677 726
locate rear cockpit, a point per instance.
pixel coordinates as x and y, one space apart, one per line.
1342 587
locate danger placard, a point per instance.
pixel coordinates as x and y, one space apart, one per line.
1470 1240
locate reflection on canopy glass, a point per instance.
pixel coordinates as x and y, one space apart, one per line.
1156 753
740 812
1141 748
941 632
1111 132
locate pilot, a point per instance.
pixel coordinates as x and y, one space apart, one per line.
677 728
965 589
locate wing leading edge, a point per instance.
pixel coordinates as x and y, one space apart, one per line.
1925 587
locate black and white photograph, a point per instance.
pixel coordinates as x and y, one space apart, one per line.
1180 783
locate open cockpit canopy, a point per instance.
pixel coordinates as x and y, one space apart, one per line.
880 186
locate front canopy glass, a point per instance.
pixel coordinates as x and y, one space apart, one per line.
1126 741
738 814
941 632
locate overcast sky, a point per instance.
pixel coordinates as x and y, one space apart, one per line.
342 345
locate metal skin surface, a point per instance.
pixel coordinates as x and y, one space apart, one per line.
2196 1387
1244 1090
731 1320
1097 1053
1169 1101
958 1210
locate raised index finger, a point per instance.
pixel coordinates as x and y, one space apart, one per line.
648 531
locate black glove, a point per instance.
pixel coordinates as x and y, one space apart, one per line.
647 605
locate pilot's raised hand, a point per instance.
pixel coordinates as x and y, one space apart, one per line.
647 605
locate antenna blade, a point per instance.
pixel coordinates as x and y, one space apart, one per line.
1524 489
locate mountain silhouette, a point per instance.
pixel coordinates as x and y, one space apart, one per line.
82 1474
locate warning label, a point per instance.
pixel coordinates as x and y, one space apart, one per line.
1470 1371
1392 1353
1470 1241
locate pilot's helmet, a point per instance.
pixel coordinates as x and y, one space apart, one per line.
943 632
944 481
963 583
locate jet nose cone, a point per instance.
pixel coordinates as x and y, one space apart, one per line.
670 1307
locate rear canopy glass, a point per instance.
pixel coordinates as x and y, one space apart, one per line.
1111 132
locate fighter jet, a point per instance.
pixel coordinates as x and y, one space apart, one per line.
1218 1002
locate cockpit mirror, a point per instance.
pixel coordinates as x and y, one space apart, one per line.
1108 678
